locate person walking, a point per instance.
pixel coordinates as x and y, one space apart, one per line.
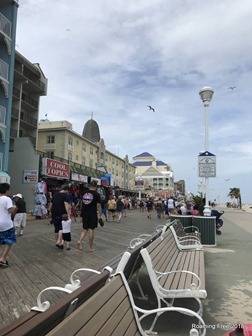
111 206
58 207
66 230
91 205
149 206
20 216
119 207
104 202
7 231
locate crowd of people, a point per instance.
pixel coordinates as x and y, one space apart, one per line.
92 207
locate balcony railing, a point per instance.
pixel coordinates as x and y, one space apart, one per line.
1 161
23 71
2 115
24 117
5 25
4 70
29 101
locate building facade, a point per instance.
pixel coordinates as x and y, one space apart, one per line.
156 176
8 22
58 139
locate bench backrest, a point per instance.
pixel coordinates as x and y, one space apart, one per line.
132 260
36 323
107 312
165 256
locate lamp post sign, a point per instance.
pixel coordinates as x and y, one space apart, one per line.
207 164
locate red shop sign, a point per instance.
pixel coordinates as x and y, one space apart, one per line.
56 169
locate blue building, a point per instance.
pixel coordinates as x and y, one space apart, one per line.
8 23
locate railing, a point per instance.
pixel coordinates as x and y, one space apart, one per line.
5 25
1 161
2 115
23 71
4 69
29 100
16 92
13 133
28 119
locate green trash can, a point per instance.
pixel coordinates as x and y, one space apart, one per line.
185 220
207 228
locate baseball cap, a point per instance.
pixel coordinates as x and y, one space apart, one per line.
93 183
18 195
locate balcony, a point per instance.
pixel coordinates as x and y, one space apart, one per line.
70 148
49 146
2 122
34 83
24 117
4 78
5 31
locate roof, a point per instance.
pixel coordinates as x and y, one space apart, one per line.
91 131
144 154
161 163
142 164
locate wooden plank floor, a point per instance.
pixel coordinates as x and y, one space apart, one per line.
35 262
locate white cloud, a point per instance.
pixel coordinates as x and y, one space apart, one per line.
120 56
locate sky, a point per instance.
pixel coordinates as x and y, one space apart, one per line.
114 58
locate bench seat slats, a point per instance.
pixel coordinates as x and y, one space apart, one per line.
107 312
166 257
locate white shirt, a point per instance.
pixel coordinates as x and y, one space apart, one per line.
170 203
66 226
5 217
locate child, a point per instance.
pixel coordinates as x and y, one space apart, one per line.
66 230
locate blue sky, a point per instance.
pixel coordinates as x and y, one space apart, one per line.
113 58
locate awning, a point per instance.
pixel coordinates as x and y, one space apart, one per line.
87 171
4 177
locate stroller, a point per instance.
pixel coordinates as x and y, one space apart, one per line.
219 221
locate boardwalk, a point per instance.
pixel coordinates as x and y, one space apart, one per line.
35 263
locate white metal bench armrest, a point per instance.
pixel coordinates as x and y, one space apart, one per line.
43 306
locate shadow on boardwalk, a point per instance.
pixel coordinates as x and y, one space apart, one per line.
35 263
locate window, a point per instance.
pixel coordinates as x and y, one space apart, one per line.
70 156
70 141
77 157
83 147
91 163
91 150
83 161
77 142
50 139
50 155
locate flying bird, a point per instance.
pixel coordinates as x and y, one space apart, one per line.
227 179
151 108
232 87
68 29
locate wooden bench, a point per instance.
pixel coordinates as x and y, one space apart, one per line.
112 311
39 323
83 284
185 240
175 273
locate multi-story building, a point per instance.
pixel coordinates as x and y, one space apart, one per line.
8 22
87 152
156 176
30 84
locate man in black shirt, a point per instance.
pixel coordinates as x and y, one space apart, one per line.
90 206
58 207
20 217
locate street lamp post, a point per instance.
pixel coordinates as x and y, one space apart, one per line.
206 94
